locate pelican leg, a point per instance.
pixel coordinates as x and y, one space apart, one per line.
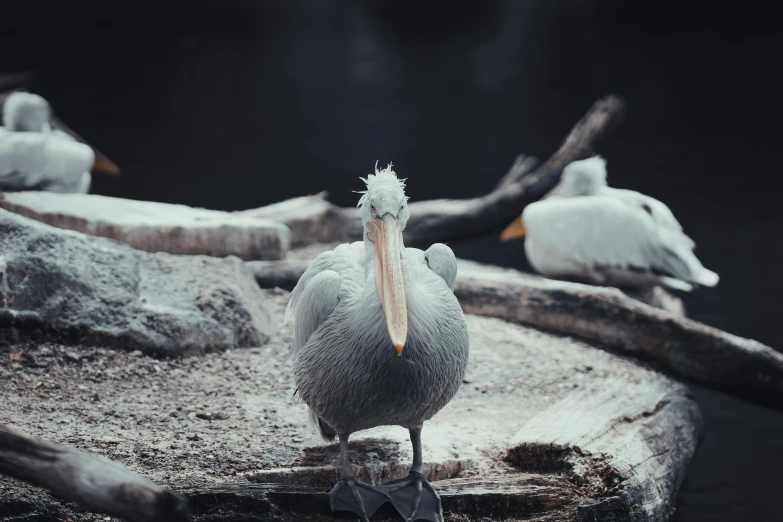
351 495
413 496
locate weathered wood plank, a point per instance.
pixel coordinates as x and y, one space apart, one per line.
155 227
579 436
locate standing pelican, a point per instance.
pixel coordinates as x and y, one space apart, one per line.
38 152
379 340
586 231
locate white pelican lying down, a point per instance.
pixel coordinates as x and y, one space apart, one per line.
586 231
38 152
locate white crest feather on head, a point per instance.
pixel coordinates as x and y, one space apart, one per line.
20 105
381 177
592 166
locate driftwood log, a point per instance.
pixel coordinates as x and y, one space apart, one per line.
313 219
605 316
92 481
577 436
686 348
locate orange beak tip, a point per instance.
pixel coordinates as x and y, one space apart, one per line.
515 230
105 166
399 347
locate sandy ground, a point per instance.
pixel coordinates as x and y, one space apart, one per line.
233 416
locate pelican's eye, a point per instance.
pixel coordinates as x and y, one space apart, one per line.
399 212
372 209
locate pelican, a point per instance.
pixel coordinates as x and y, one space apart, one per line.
586 231
38 152
379 339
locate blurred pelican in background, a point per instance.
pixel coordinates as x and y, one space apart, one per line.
586 231
39 152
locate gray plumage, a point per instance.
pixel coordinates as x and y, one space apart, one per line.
346 369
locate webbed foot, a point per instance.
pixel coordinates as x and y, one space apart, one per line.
351 495
414 498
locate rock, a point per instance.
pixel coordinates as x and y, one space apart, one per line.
72 288
156 227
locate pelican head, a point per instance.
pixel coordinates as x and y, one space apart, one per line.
580 178
28 112
384 211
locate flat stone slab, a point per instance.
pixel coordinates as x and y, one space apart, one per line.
156 227
69 287
544 428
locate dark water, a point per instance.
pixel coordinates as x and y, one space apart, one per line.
238 104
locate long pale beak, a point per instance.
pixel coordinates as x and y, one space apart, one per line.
515 230
388 278
101 164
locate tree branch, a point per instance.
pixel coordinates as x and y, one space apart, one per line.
313 219
446 220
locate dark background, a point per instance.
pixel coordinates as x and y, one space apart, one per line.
236 104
